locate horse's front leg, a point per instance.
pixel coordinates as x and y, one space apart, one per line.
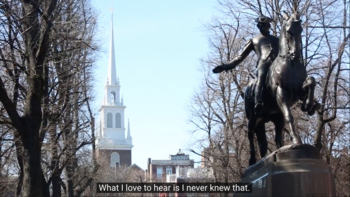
282 98
278 120
261 137
252 159
309 89
251 127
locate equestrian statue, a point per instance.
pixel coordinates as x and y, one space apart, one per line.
281 81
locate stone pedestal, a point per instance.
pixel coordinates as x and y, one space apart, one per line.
293 170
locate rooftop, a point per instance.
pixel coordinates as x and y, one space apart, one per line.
171 162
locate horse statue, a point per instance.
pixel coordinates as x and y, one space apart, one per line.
286 83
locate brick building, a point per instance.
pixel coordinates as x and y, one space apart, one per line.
158 169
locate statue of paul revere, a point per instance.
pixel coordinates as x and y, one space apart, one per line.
266 47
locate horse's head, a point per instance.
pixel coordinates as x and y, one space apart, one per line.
291 36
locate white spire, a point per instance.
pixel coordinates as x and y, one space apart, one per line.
111 64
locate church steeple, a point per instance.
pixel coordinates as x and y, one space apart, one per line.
112 74
113 143
112 88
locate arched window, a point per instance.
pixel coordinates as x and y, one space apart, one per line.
109 120
118 120
115 158
113 99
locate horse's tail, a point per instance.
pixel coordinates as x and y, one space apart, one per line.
249 98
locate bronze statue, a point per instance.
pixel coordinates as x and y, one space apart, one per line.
286 83
266 47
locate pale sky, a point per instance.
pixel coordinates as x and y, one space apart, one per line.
158 45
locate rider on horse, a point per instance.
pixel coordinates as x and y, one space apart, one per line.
266 47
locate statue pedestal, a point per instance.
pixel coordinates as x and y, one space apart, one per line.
293 170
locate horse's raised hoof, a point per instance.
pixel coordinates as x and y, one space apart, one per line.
311 112
314 109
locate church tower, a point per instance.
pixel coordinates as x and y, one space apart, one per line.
113 147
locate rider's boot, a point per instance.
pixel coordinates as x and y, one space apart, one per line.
258 103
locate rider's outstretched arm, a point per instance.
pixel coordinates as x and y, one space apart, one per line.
239 58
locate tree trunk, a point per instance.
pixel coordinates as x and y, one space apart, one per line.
56 184
19 154
34 183
56 173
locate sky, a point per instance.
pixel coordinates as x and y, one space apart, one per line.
158 45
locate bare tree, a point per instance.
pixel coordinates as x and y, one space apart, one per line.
217 110
120 174
70 115
46 56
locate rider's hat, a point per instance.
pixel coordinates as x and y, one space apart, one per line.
263 19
